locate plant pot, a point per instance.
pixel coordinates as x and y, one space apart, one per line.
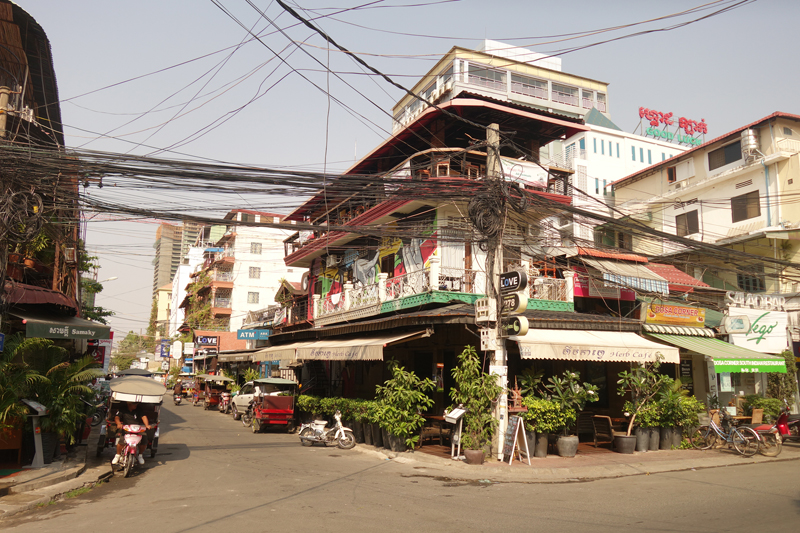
642 439
367 430
14 271
625 444
541 445
567 446
473 457
50 445
530 437
395 443
655 434
29 262
385 436
668 438
677 437
377 436
358 431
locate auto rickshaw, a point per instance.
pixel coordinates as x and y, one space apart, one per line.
274 405
208 389
149 393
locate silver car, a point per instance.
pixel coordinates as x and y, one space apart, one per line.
242 399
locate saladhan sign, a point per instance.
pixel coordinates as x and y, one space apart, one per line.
767 333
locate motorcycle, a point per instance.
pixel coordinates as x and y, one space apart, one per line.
132 436
98 413
317 431
177 399
225 403
787 427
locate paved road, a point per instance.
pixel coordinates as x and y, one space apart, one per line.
212 474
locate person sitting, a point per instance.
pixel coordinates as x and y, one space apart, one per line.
177 390
131 414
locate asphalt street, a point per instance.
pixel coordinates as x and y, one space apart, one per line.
213 474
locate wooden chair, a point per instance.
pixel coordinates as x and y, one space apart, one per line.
604 432
758 416
585 426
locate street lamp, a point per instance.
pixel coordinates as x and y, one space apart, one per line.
112 278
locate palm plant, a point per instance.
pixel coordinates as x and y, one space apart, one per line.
15 380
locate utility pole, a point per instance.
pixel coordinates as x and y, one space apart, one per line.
498 363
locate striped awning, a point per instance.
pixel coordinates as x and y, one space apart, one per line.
679 330
632 275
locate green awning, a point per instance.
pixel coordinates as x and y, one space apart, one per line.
61 327
726 357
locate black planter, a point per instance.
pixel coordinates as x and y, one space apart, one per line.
625 444
677 437
358 431
642 439
530 438
395 443
385 435
567 445
670 438
655 434
377 436
367 433
50 447
541 445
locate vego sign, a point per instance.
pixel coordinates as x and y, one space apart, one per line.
767 333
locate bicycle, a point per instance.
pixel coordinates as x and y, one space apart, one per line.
745 440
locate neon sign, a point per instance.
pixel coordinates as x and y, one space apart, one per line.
690 127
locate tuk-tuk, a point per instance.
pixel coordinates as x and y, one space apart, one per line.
208 389
275 404
147 392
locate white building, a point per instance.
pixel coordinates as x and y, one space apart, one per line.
189 264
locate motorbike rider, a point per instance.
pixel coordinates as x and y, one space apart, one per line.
131 414
178 389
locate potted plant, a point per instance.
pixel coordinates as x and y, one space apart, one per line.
646 427
545 417
477 392
401 400
669 406
15 379
570 395
643 383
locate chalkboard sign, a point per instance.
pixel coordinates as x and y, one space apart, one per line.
511 433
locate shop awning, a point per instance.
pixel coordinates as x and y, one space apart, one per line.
355 349
61 327
600 346
235 356
726 357
678 330
284 352
633 275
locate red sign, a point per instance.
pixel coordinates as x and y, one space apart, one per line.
689 126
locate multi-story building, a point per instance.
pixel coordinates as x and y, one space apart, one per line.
171 246
163 304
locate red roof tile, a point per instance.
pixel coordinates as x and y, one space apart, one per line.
678 280
23 294
592 252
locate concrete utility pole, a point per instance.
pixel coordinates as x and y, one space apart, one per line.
498 363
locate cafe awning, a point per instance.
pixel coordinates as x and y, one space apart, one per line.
633 275
61 327
354 349
235 356
284 352
726 357
599 346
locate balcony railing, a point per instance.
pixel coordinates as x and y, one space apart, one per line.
408 284
460 280
297 313
332 303
489 83
552 289
222 276
529 90
223 303
565 98
587 103
364 296
789 145
601 106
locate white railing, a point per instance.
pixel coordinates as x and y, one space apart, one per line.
333 303
552 289
224 303
408 284
489 83
364 296
529 90
459 280
587 103
223 276
789 145
601 106
565 98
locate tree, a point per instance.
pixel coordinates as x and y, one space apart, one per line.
133 344
783 386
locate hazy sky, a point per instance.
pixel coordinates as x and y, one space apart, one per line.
185 77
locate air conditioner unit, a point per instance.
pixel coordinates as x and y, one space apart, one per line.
680 185
332 261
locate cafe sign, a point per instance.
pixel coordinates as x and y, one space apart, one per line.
659 120
675 315
767 333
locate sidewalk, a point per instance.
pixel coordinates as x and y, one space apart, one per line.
32 487
588 465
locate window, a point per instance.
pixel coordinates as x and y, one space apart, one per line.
633 153
602 148
753 281
255 272
745 206
582 144
604 187
244 217
252 297
255 248
663 156
649 157
687 224
595 145
672 175
610 153
617 150
787 131
597 185
641 155
725 155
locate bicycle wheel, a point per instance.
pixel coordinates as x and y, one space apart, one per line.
746 441
702 437
770 445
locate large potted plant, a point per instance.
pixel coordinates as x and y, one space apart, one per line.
402 399
545 417
477 392
669 401
647 426
570 395
642 383
15 380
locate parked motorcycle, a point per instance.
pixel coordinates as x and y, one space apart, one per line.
177 399
225 403
132 436
247 416
787 427
98 412
317 431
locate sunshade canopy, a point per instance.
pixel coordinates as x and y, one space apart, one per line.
633 275
211 377
357 349
275 381
727 357
61 327
600 346
134 372
137 389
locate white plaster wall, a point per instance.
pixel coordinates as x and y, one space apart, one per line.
179 282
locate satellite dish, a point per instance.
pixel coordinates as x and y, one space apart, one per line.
304 282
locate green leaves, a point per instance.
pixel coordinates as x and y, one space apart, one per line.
478 392
547 416
400 402
643 383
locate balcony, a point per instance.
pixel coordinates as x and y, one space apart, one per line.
220 307
433 285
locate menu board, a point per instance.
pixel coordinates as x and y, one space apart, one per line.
686 376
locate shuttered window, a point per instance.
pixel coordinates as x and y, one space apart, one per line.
687 223
745 206
725 155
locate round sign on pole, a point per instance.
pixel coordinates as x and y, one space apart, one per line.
177 349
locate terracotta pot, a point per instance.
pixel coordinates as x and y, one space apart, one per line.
14 257
473 457
29 262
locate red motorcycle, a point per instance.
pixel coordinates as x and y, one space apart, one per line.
787 427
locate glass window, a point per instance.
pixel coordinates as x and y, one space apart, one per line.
649 157
604 187
663 156
610 151
602 148
633 153
617 150
672 175
754 281
252 297
641 155
725 155
595 145
687 224
597 185
582 144
255 248
745 207
255 272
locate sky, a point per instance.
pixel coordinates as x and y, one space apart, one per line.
187 79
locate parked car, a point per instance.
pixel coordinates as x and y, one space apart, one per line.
242 399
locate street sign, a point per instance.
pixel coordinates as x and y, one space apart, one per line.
177 349
513 281
517 325
514 303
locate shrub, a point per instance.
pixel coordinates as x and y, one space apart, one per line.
771 406
546 416
402 399
477 392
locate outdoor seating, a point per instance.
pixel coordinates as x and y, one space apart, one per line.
585 426
434 429
758 416
604 431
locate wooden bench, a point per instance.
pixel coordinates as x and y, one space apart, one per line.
604 431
